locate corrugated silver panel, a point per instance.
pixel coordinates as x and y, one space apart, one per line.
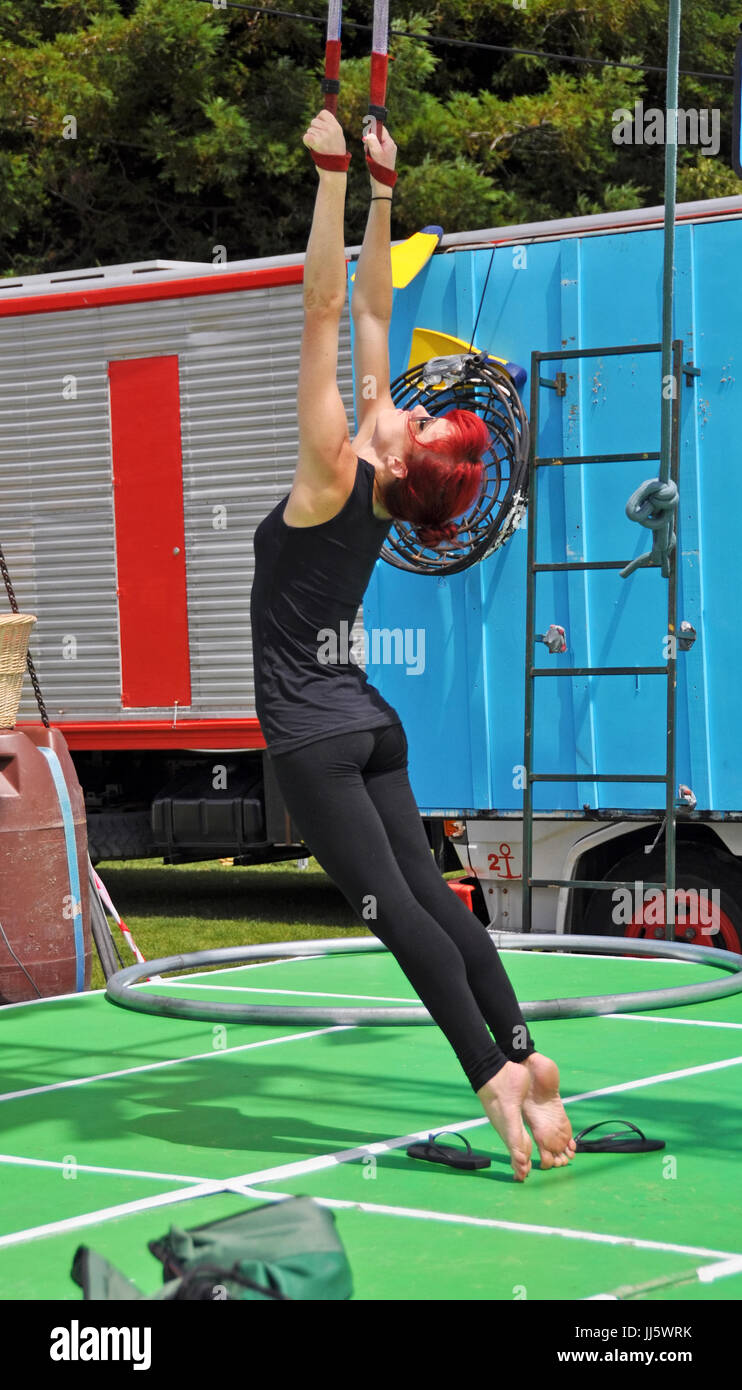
238 360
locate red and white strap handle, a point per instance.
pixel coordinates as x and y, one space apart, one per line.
377 94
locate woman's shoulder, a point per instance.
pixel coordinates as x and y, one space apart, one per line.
310 505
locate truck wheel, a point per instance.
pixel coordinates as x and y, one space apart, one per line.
120 835
708 901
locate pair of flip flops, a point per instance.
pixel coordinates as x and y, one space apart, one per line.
433 1152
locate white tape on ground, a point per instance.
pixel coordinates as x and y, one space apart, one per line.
23 1162
238 1187
709 1273
655 1080
689 1022
242 1182
297 993
522 1227
93 993
171 1062
705 1274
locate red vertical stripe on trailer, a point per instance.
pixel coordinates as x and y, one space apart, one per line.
150 536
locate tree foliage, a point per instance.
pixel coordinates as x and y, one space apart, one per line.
135 129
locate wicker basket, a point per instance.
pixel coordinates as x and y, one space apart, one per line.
15 631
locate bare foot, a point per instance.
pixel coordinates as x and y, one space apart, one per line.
502 1098
544 1113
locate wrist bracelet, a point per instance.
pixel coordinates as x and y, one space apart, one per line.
380 198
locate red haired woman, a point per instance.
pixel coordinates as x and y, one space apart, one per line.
338 748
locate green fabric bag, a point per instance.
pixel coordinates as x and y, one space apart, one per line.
282 1250
100 1281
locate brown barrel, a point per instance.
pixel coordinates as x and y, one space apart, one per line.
37 913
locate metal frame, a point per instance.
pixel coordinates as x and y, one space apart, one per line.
119 989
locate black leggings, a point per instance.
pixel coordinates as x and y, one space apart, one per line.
351 799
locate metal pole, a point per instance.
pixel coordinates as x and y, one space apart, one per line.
527 822
671 160
670 416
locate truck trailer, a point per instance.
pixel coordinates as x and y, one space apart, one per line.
149 415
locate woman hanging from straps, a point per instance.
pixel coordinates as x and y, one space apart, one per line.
338 748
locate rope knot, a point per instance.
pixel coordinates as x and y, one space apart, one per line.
654 505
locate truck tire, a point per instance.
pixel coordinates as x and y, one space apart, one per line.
120 835
702 868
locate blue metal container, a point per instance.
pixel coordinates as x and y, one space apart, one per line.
459 685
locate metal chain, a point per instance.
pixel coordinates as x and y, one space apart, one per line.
31 667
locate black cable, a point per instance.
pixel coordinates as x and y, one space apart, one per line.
470 43
481 301
19 963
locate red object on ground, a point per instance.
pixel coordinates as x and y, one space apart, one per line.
463 891
36 912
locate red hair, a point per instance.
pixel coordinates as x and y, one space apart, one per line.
443 477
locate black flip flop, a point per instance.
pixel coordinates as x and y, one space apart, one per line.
616 1143
444 1153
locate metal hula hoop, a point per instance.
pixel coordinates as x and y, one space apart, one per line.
119 988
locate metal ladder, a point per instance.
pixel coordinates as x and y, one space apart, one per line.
559 384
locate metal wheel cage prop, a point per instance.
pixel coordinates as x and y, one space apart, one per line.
478 383
119 989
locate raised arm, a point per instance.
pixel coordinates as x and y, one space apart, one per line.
324 443
371 302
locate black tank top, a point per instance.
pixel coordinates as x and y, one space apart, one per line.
307 589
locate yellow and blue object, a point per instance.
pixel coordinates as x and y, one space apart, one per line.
427 343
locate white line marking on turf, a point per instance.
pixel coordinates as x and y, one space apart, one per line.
709 1273
705 1274
252 965
301 993
75 1223
297 960
524 1228
655 1080
240 1184
313 1165
689 1022
53 998
594 956
239 1188
90 993
172 1062
96 1168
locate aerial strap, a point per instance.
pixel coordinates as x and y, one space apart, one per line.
338 163
377 93
331 79
379 60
